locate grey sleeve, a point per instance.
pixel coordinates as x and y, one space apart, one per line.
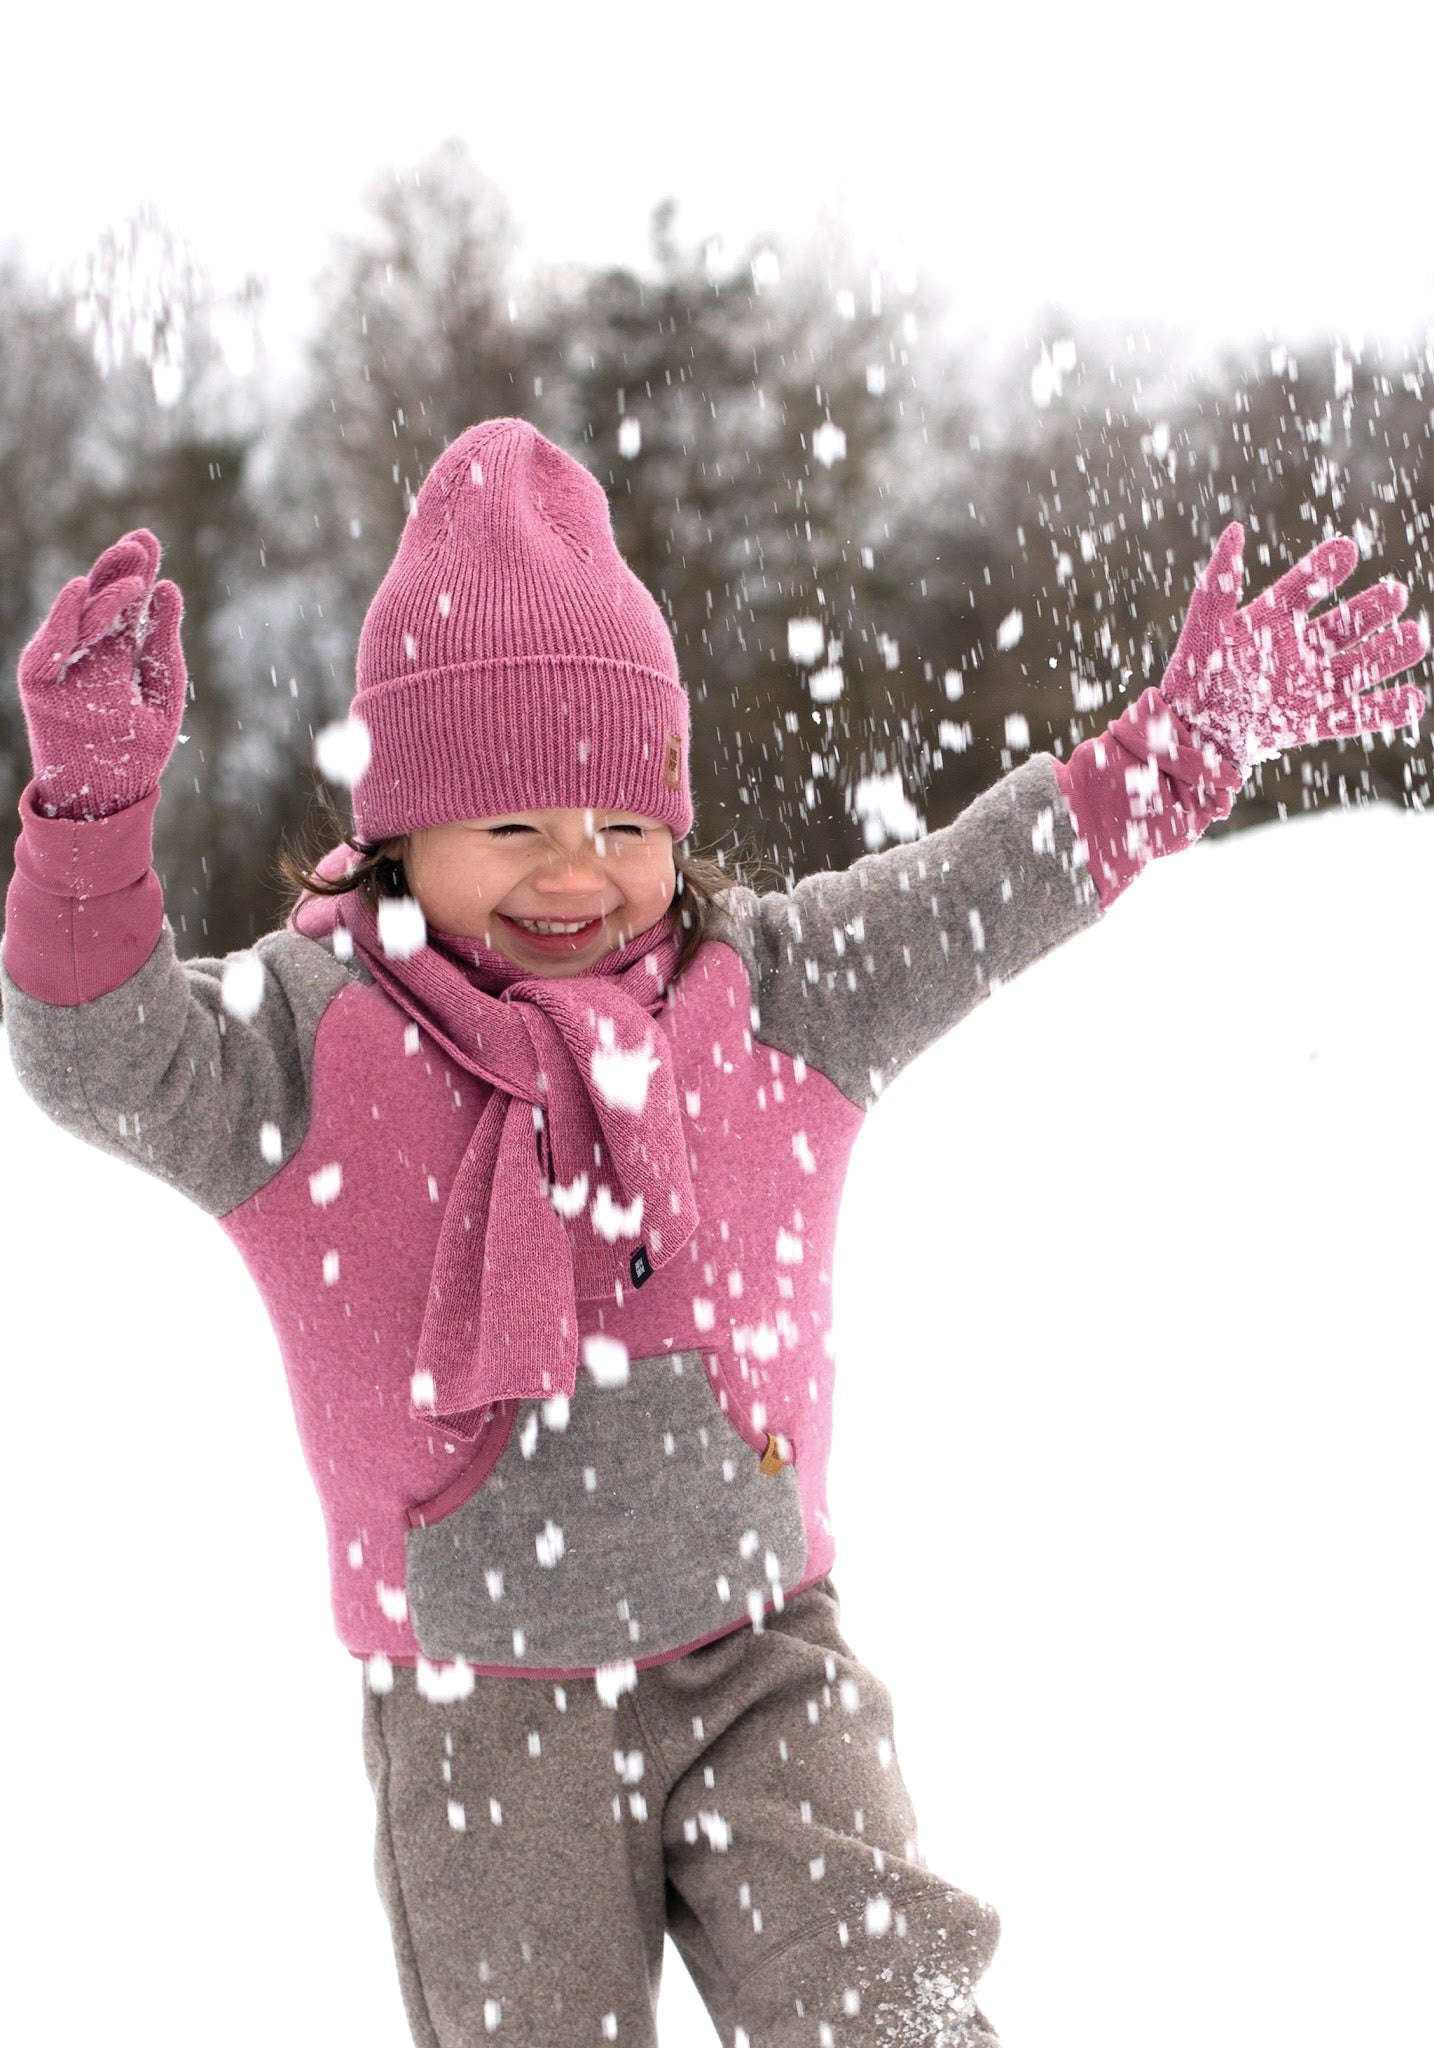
161 1073
856 973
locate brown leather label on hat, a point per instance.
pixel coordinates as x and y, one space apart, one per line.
672 762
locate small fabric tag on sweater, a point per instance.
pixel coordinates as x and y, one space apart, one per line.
640 1266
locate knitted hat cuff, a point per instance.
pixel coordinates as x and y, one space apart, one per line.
483 739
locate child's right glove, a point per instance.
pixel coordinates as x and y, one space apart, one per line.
102 685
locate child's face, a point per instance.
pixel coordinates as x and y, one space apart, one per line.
605 876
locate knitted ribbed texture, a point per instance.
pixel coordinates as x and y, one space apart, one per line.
510 659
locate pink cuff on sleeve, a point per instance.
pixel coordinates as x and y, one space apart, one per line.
1140 789
84 910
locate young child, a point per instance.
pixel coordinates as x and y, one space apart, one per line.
542 1208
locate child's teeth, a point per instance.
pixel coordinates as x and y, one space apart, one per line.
548 926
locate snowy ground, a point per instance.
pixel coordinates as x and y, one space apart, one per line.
1131 1486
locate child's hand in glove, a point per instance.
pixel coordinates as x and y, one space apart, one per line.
1252 682
103 685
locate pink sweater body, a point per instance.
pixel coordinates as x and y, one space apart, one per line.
345 1280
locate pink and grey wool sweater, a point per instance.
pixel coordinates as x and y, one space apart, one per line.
680 1491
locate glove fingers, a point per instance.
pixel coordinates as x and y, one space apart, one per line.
133 554
1385 653
162 677
1379 710
1312 578
1362 614
105 609
1218 591
44 659
1207 622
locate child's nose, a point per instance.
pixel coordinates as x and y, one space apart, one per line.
572 868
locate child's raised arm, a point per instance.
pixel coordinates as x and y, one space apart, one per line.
119 1042
857 972
102 686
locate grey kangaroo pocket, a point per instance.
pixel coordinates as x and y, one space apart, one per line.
644 1524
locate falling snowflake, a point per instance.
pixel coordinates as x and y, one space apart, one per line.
402 928
717 1830
621 1076
606 1359
806 639
241 986
613 1680
569 1198
441 1684
610 1220
342 751
1056 361
885 810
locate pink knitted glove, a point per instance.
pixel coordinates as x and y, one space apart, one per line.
1251 683
103 683
1143 787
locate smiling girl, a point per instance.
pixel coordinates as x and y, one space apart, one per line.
539 1183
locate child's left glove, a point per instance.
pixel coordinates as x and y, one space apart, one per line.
1253 682
1241 687
103 684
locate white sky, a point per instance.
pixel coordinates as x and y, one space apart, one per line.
1222 170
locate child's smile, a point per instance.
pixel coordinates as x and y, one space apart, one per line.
552 891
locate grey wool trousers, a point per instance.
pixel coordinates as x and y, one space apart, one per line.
535 1844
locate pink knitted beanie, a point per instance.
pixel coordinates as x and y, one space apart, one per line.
510 660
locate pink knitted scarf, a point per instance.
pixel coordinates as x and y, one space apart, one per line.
575 1184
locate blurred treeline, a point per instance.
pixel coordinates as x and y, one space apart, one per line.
993 556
